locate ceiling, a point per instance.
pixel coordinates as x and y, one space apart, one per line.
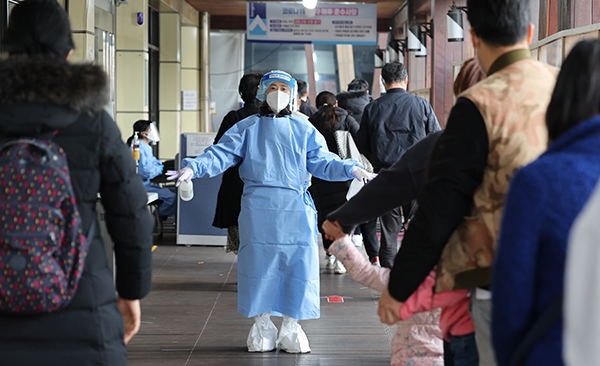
385 8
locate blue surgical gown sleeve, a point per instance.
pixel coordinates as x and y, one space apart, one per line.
149 166
220 157
324 164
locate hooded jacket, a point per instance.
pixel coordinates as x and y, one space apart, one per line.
354 102
38 96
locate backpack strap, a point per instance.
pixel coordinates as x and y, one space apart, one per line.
537 331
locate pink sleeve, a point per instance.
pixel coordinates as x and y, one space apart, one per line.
359 268
423 299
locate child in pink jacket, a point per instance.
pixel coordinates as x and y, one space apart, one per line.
418 339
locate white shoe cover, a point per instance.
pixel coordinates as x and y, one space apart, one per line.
292 338
263 334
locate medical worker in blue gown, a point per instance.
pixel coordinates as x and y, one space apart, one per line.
150 167
278 270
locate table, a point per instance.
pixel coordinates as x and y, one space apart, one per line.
152 196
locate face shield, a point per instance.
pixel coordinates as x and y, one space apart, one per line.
152 134
284 77
294 94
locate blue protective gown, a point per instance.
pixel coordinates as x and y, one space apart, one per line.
150 167
278 267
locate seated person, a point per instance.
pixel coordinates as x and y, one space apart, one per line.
150 167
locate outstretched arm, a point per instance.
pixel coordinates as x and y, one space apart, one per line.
324 164
393 187
359 268
217 158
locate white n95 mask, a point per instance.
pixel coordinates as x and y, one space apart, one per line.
278 100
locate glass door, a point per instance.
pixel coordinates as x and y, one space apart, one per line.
105 58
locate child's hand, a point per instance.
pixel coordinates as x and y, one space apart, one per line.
332 230
389 308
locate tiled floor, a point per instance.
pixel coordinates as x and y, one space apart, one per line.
191 318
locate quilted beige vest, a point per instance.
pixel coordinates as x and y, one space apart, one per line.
513 103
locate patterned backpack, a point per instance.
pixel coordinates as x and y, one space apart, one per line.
42 248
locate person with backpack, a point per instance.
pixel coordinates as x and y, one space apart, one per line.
50 111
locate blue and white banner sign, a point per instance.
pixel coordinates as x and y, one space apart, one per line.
333 23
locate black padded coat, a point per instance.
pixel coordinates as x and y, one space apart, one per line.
41 96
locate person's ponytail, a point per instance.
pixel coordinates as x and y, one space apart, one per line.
139 126
326 113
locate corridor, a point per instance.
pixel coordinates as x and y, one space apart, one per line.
191 318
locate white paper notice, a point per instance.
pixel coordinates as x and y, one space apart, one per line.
190 100
197 143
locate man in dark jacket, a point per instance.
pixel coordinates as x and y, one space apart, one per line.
305 106
42 93
355 99
389 126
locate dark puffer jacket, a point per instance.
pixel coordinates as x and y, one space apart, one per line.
328 196
392 124
354 102
40 96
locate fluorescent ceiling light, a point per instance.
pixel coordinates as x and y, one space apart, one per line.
309 4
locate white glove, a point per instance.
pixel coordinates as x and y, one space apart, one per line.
181 175
362 175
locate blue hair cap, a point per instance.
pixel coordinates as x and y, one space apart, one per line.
272 76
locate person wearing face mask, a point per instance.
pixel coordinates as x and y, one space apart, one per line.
278 269
150 167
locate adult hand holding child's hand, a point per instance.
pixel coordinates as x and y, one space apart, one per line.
333 230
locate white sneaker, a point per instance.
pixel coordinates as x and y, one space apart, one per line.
357 240
329 262
339 268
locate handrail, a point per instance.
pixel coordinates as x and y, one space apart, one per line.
563 34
